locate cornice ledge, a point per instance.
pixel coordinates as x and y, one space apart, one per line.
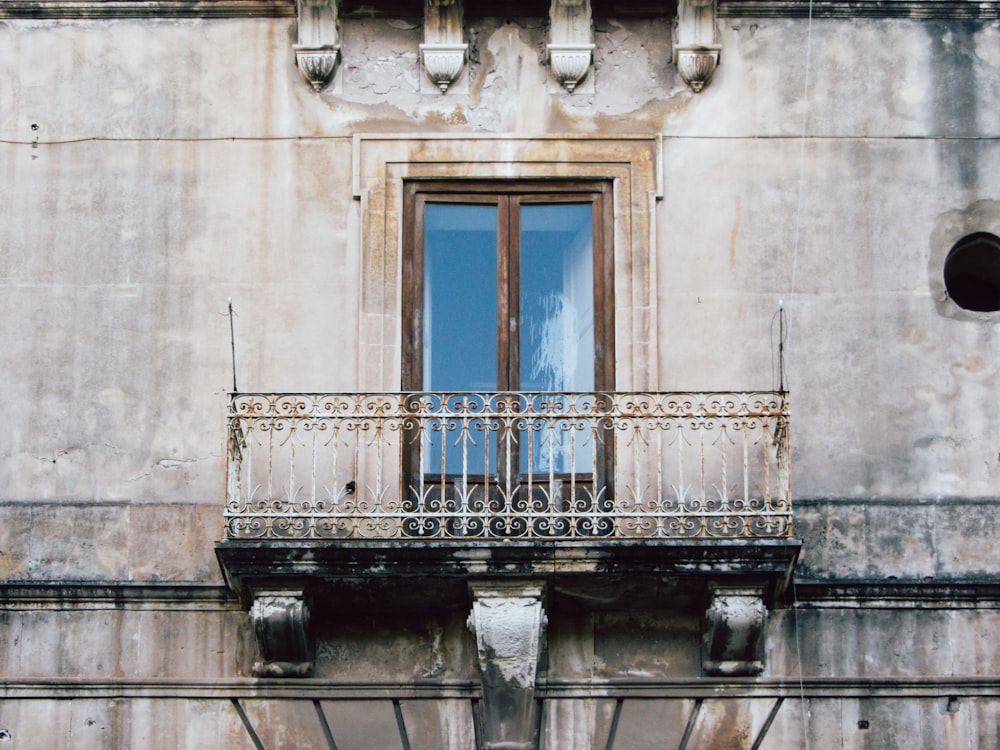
111 9
114 595
914 9
924 593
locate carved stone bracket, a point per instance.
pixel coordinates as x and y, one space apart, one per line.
734 631
571 41
443 51
696 50
508 619
318 49
281 623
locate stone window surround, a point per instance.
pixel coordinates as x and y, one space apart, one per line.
380 164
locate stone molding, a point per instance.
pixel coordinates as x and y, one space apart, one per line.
314 688
382 162
953 593
115 595
83 9
107 9
913 9
895 594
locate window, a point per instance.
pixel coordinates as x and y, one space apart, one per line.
507 288
972 272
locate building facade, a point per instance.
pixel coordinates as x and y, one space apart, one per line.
432 374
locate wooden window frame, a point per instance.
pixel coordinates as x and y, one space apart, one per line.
508 195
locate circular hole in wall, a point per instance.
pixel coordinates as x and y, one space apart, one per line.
972 272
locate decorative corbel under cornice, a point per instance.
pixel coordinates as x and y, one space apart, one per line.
734 631
571 41
280 620
696 51
443 51
318 47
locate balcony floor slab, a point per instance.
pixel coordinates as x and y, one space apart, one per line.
381 574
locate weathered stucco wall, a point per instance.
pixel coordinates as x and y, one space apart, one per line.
182 163
143 676
120 253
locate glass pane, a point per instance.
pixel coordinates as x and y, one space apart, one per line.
460 325
460 297
557 326
557 297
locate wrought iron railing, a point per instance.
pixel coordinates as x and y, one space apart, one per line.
508 465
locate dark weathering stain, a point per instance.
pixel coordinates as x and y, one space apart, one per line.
954 93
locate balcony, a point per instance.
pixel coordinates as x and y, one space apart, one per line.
508 466
393 501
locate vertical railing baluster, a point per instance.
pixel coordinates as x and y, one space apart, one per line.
596 491
444 469
489 409
766 440
313 457
746 465
530 433
334 459
637 490
784 468
571 507
247 460
658 457
551 428
234 468
463 509
681 490
701 431
270 466
423 438
359 484
379 459
290 492
724 440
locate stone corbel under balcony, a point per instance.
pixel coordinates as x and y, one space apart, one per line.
696 50
318 49
571 41
280 620
734 631
508 619
443 50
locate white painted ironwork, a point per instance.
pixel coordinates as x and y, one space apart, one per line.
508 465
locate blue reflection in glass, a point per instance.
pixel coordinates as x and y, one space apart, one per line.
557 324
460 322
460 297
557 297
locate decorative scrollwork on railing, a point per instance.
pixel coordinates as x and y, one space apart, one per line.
508 465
